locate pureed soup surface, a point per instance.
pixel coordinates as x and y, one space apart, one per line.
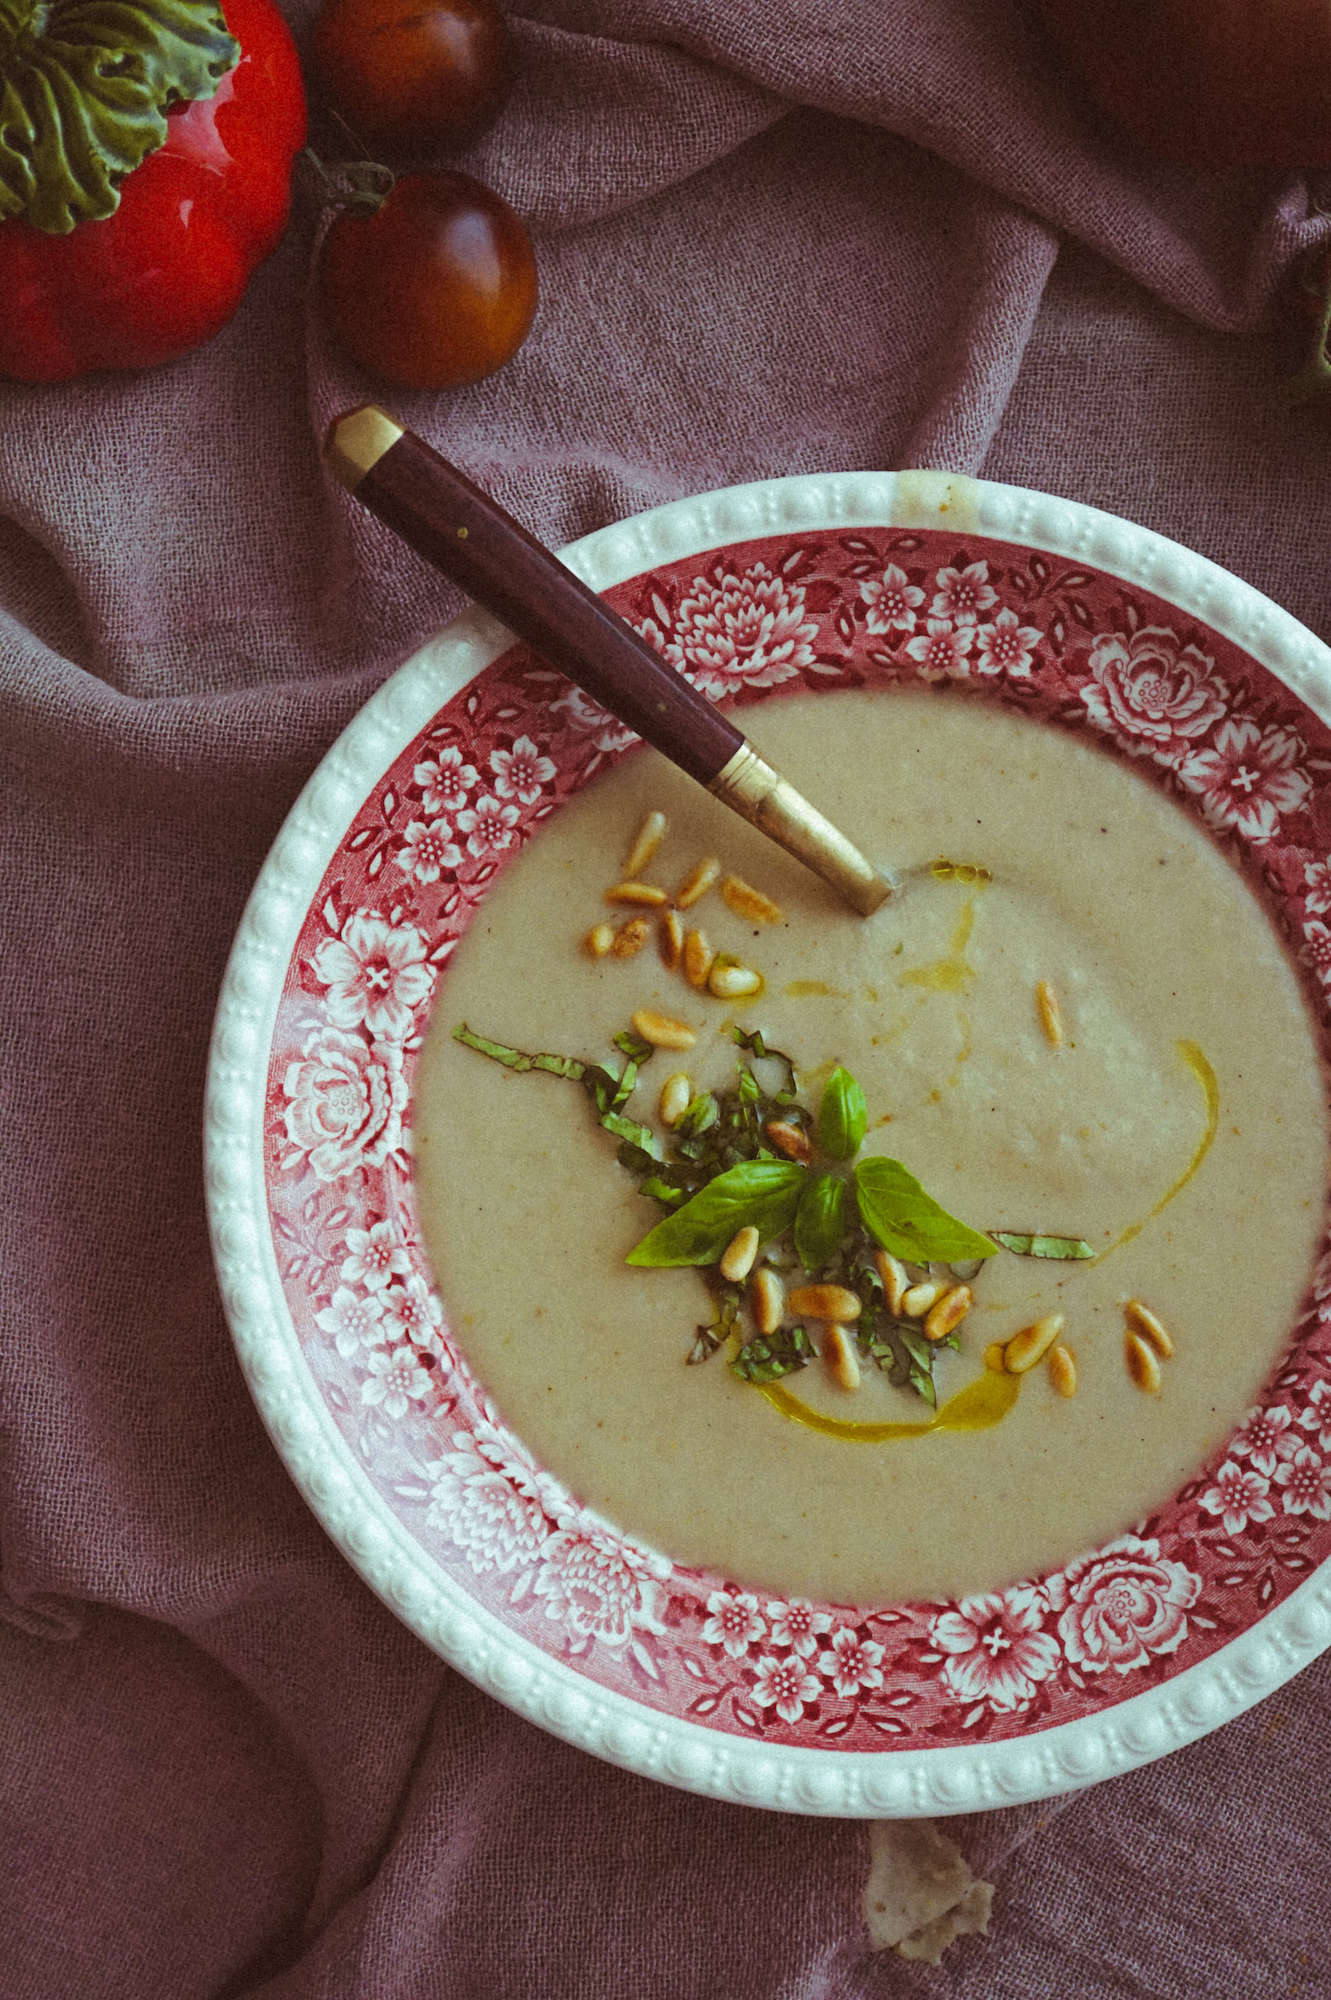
1156 950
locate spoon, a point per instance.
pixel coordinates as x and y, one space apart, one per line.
467 535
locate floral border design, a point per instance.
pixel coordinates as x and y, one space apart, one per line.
874 608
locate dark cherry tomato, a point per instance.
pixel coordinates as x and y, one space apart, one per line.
413 73
1209 83
434 289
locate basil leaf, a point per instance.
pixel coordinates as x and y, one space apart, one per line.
765 1193
1064 1247
819 1219
909 1223
843 1116
708 1338
517 1059
770 1356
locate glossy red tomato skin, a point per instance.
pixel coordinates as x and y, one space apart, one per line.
413 73
168 269
434 290
1207 83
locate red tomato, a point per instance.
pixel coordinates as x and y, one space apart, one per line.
413 73
1210 83
434 289
169 267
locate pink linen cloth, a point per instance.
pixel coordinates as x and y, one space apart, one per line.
773 237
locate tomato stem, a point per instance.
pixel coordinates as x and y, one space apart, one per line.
359 186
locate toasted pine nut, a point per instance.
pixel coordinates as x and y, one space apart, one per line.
646 841
947 1313
644 893
670 939
738 1255
1143 1364
698 956
1051 1014
835 1302
1032 1343
697 882
993 1357
1145 1323
599 940
630 938
789 1139
895 1282
917 1299
767 1299
728 981
663 1031
843 1363
676 1097
1062 1367
746 901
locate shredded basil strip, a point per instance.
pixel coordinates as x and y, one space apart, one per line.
769 1356
1066 1248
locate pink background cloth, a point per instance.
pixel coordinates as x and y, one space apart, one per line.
773 237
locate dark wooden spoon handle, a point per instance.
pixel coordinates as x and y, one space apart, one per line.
468 536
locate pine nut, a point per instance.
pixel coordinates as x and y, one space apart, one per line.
670 939
1051 1014
1032 1343
746 901
947 1313
698 957
767 1299
662 1030
630 938
676 1097
1062 1369
917 1299
993 1357
1145 1322
646 841
895 1282
599 940
834 1302
1143 1364
728 981
842 1362
696 883
644 893
738 1255
789 1139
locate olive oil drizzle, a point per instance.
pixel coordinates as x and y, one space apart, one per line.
1196 1061
978 1407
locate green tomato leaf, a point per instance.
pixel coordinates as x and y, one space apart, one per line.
765 1193
843 1116
85 86
819 1219
1063 1247
909 1223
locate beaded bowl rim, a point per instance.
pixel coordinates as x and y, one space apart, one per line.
535 1684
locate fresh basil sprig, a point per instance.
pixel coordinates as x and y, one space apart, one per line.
843 1116
769 1356
762 1193
909 1223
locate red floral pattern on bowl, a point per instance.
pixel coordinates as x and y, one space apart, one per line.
821 610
